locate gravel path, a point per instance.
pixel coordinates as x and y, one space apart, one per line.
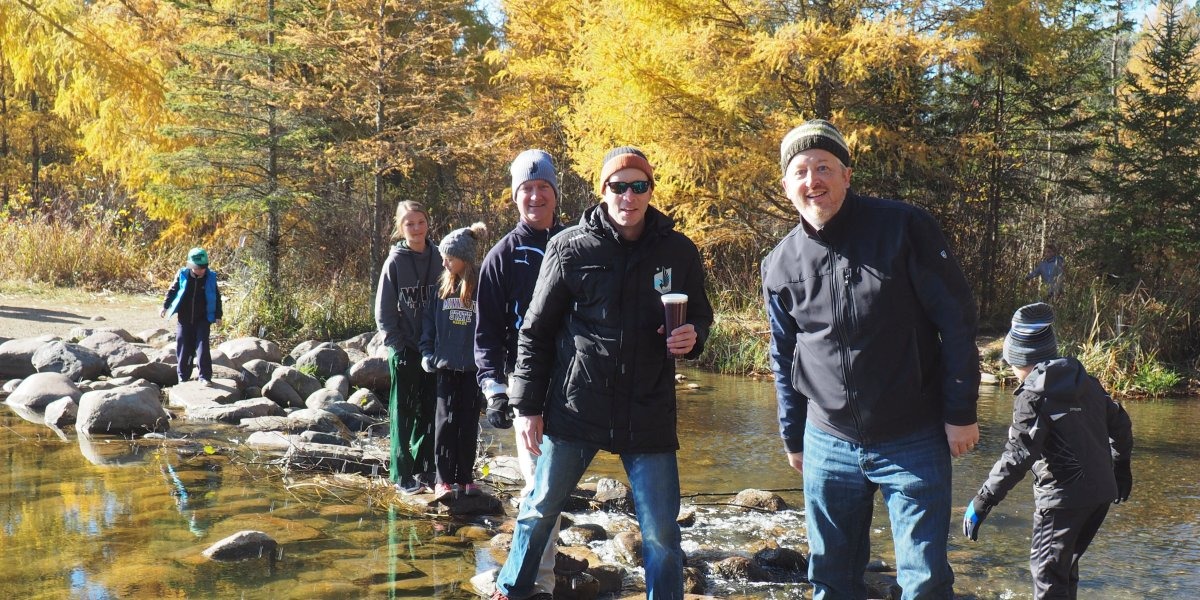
33 312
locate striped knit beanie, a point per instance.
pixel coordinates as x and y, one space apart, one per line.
1031 339
817 133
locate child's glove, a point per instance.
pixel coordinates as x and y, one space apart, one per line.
1124 480
427 364
977 511
498 412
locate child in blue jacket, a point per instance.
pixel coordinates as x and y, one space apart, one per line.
195 298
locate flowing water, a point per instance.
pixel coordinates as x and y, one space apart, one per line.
96 519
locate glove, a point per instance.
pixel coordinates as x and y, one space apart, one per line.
1124 480
977 511
498 412
427 364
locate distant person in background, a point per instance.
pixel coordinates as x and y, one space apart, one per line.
1050 270
1078 443
196 300
506 281
406 282
448 350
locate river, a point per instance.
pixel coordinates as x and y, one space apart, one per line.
115 520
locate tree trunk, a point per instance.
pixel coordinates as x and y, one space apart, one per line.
273 230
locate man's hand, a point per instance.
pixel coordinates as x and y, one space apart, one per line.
498 412
162 313
962 438
977 511
529 431
682 339
796 459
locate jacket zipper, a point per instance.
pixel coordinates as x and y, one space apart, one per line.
844 352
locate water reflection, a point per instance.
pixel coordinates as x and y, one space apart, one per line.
73 524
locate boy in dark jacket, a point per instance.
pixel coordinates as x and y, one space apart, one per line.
194 297
1076 439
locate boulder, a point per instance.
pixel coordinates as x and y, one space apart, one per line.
580 586
125 410
614 495
16 356
37 391
300 350
325 360
241 350
322 398
191 394
378 345
358 342
257 372
319 420
583 534
271 425
750 499
369 403
611 578
282 393
159 373
783 559
155 337
235 412
339 384
242 545
740 568
371 374
304 384
114 349
62 413
74 361
319 437
270 441
328 457
627 546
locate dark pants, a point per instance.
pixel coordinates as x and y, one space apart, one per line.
1060 537
410 408
456 430
191 343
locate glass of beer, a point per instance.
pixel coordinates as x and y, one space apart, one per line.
675 311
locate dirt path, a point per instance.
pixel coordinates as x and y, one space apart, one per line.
29 312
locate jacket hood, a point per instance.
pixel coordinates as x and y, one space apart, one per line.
401 248
1059 377
596 219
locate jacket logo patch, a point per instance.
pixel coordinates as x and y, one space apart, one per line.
662 280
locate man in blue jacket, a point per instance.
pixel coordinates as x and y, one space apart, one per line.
506 281
596 371
876 370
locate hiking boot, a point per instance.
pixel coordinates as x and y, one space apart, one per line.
410 486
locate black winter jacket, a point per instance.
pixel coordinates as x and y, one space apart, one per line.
1062 424
590 359
872 326
506 280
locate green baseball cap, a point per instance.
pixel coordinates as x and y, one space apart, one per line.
198 257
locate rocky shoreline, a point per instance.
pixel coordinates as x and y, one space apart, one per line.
320 408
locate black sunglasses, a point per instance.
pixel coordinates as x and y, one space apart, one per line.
619 187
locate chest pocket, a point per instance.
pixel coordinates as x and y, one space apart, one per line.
595 288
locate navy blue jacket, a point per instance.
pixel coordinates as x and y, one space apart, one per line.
506 280
590 358
872 326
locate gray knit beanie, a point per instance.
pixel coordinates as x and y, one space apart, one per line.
533 164
817 133
463 243
1031 339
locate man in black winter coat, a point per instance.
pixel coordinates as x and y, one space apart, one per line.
1077 440
596 371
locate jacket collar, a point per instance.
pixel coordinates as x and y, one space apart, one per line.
838 227
595 219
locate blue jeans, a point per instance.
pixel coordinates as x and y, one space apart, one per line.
655 482
840 480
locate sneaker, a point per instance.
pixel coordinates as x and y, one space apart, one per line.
442 490
204 381
472 489
409 486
